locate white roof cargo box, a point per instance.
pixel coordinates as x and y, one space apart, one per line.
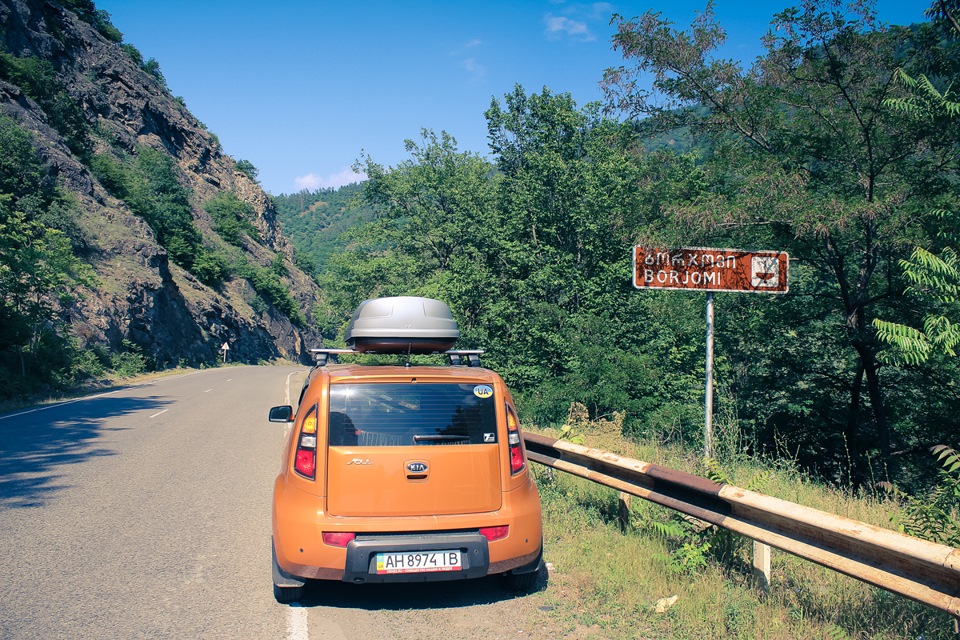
403 324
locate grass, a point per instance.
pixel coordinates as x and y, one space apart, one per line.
609 581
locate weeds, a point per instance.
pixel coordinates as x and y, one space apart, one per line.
935 516
612 581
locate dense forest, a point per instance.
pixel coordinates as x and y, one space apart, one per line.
317 219
840 145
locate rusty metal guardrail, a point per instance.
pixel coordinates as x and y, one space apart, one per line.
923 571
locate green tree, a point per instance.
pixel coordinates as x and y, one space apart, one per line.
532 254
315 221
933 276
247 168
808 123
433 210
38 265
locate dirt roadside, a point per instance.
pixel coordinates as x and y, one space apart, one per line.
448 611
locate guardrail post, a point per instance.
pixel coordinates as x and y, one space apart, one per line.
761 565
624 512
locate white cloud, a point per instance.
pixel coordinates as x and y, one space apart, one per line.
562 25
469 63
312 181
474 68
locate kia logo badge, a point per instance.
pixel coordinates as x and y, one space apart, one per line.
417 467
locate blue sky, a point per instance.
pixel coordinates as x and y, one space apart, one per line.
302 89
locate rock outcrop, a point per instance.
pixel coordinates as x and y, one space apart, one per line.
141 295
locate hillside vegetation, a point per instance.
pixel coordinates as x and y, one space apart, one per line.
316 220
128 240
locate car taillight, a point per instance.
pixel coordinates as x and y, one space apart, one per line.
517 461
494 533
305 461
337 539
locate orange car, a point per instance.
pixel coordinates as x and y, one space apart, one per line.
403 473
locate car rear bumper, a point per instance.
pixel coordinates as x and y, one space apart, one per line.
361 564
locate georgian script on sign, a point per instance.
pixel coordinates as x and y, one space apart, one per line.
704 269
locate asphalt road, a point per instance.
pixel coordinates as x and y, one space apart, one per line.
145 513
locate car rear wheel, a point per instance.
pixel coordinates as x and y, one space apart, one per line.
525 578
520 581
286 595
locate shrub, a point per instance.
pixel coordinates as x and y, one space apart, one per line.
148 184
130 362
134 53
246 168
101 22
152 67
85 365
210 267
38 79
267 284
232 217
111 174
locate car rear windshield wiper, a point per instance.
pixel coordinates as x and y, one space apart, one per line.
440 438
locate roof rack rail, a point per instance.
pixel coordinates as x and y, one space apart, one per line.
468 357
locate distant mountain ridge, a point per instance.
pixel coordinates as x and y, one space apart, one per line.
179 302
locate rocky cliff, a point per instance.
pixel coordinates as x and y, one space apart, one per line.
140 294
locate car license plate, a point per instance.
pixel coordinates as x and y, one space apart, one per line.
418 562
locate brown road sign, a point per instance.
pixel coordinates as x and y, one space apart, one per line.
703 269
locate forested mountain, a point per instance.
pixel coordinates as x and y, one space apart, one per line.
315 220
827 148
127 238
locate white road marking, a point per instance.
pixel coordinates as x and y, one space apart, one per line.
297 628
297 623
208 390
286 398
159 413
59 404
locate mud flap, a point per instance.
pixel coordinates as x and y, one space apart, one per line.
532 567
280 577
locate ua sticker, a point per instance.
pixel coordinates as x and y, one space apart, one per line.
482 391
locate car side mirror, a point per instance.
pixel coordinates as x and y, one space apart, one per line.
281 414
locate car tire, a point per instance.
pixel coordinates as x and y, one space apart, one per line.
526 581
520 582
287 595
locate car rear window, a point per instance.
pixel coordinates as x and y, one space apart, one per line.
405 414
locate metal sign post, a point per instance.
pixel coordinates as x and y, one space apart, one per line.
709 270
225 348
708 421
